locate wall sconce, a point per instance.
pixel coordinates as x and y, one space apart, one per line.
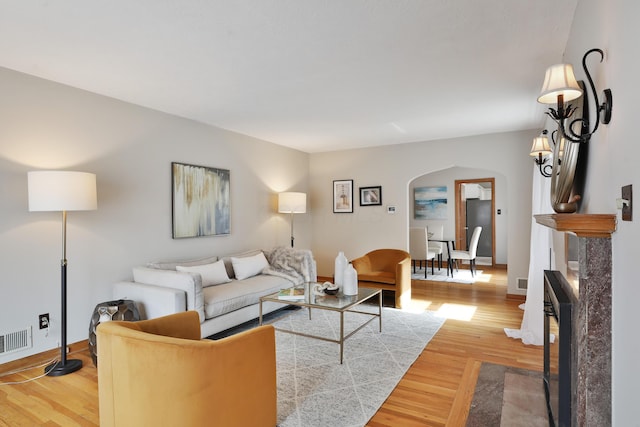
541 148
560 86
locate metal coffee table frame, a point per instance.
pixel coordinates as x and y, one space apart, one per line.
340 303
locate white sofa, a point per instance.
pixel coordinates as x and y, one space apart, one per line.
222 300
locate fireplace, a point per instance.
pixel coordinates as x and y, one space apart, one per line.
590 336
559 376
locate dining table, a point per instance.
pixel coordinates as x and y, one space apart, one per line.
451 245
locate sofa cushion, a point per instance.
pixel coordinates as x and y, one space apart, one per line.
212 274
250 266
229 266
171 265
228 297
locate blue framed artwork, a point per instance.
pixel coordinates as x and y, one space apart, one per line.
430 202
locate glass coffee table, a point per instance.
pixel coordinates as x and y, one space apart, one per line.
340 303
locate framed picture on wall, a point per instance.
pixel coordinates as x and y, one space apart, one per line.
200 198
430 202
343 196
370 196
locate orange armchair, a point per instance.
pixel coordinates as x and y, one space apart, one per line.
159 372
387 269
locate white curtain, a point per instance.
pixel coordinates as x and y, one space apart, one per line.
532 327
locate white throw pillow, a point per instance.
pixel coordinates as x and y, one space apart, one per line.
212 274
249 266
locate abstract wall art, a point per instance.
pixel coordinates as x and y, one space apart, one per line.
430 202
200 198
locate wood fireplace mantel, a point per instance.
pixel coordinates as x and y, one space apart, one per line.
591 364
582 225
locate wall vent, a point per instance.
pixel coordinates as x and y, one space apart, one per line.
15 341
523 283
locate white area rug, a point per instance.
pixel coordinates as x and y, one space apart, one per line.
314 389
460 276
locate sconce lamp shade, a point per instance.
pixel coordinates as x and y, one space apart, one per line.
559 80
62 191
540 146
290 202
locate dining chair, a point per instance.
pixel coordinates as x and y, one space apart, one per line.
470 254
436 232
419 249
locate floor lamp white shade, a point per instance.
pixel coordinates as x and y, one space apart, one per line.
292 203
62 191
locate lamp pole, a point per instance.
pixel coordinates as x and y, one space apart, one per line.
64 366
292 229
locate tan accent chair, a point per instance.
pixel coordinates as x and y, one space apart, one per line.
159 372
386 269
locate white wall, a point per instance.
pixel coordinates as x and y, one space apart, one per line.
613 156
394 168
45 125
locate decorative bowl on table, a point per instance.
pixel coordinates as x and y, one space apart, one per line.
331 291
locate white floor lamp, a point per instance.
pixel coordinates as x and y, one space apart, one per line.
292 203
62 191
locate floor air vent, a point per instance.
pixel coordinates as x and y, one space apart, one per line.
523 283
15 341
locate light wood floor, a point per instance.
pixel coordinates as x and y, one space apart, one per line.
436 391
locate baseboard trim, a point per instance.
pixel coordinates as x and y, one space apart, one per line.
516 297
40 358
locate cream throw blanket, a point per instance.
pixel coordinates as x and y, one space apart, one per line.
295 265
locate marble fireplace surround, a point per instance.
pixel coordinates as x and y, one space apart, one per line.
592 317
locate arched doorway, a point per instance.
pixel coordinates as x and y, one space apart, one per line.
454 222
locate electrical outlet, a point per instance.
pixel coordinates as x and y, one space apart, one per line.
43 321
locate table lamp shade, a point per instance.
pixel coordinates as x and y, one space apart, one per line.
62 191
290 202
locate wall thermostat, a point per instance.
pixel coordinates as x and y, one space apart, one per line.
391 209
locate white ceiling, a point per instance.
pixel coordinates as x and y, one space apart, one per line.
315 75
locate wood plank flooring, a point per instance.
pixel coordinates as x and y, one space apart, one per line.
436 391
